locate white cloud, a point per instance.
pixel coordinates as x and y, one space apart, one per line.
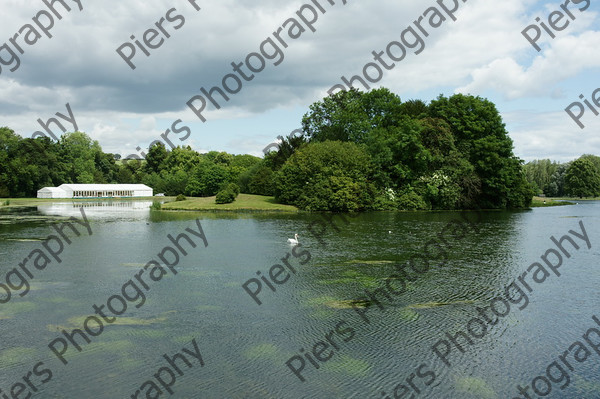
567 57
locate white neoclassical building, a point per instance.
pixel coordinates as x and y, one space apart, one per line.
95 191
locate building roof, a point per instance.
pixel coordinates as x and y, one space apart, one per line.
52 189
101 187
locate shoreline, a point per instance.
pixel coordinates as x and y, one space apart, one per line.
245 203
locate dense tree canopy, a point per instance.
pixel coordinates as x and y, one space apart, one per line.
452 153
582 179
555 179
26 165
329 175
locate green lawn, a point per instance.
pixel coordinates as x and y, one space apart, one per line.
539 202
578 199
244 202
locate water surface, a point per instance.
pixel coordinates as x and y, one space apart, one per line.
245 346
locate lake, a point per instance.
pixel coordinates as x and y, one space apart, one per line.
319 325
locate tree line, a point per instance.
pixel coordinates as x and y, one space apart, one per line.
27 164
359 151
578 178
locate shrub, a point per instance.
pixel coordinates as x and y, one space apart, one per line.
411 201
226 196
327 176
233 187
180 197
156 206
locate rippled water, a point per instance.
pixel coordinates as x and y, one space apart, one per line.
245 346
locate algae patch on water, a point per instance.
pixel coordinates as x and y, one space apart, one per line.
586 388
409 315
429 305
24 239
15 309
335 303
77 322
15 356
348 366
352 277
476 387
369 262
263 351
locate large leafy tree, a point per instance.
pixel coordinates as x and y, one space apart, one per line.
582 179
556 185
79 152
28 164
157 154
351 115
539 174
287 146
327 176
481 136
398 153
455 152
257 180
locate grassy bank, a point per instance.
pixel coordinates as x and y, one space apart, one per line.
578 199
244 202
539 202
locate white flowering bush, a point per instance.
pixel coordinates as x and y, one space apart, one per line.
440 190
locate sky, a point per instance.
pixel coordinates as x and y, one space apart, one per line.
86 57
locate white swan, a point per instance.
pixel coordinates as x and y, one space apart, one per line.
293 241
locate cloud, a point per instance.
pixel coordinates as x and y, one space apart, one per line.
552 135
567 57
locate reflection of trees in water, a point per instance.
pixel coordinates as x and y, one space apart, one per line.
364 254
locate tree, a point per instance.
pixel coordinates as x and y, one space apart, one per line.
539 173
78 152
206 179
594 159
287 147
481 135
398 153
582 179
257 180
556 185
183 158
327 176
351 115
415 109
157 154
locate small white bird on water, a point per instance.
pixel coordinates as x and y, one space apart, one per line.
293 241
